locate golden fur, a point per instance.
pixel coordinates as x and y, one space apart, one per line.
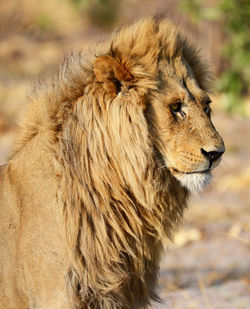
90 194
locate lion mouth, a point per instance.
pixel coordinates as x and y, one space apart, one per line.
176 171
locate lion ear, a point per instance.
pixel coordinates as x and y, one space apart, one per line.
111 73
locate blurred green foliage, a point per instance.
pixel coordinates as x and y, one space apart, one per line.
100 12
234 16
44 22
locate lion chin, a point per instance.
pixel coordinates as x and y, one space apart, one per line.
195 182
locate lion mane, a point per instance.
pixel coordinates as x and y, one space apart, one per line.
117 202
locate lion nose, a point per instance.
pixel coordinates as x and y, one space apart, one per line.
212 155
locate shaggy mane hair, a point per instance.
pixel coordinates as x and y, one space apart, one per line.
120 205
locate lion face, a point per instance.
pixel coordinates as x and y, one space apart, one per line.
188 141
178 110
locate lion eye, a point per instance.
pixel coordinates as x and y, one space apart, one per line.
176 107
207 109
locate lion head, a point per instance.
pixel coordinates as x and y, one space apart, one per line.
175 97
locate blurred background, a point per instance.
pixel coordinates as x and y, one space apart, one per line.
208 266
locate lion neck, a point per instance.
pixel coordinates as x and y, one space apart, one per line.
119 205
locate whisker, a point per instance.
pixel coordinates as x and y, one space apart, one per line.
224 162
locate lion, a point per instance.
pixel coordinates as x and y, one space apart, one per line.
109 150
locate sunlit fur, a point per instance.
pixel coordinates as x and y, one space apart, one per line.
92 201
195 183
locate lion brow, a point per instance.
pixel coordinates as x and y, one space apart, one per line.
186 87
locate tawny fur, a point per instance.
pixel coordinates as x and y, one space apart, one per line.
97 161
